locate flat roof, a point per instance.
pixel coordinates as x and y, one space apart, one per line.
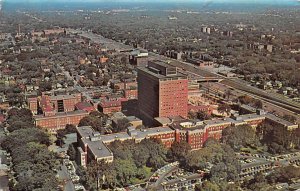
98 148
159 76
59 97
141 134
60 114
163 120
195 126
248 107
85 131
115 136
218 121
133 118
279 120
250 117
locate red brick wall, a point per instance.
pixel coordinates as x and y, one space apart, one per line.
109 110
173 98
59 122
131 94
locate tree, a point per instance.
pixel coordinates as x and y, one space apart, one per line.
258 104
71 152
284 174
224 108
18 117
22 136
45 86
68 130
240 136
192 115
33 163
277 138
202 115
209 186
95 122
126 171
179 151
245 99
18 125
122 125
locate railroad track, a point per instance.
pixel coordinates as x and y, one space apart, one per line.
260 94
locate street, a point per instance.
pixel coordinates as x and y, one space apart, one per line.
64 176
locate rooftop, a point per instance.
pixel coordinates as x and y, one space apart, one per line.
98 148
61 97
85 131
61 114
279 120
160 76
249 117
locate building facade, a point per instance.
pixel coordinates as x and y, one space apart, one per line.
162 91
59 120
93 146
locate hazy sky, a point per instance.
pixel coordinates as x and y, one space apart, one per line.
210 1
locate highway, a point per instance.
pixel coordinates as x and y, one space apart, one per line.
108 43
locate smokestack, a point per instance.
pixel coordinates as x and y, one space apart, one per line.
19 29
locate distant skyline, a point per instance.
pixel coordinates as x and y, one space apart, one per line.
274 2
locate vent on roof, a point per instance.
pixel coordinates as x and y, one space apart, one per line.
99 148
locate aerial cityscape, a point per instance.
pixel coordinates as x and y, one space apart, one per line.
145 95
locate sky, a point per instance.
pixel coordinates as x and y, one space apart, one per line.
165 1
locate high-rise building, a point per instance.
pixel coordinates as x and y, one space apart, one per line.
162 91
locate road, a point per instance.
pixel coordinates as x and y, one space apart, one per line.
108 43
64 175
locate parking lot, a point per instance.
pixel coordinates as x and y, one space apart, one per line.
254 163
